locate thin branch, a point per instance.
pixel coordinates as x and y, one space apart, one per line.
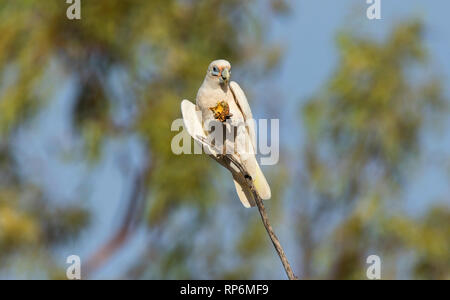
262 211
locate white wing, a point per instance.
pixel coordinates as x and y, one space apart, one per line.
242 102
249 161
191 119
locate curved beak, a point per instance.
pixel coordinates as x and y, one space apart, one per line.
225 76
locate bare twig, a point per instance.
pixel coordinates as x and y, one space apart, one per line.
262 211
264 218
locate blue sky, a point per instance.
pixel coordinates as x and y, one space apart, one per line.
309 38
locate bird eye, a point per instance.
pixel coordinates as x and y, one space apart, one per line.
215 71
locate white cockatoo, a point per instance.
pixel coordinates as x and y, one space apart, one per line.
224 104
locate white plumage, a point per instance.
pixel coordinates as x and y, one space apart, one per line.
215 89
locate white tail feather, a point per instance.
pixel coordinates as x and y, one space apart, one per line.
245 195
259 180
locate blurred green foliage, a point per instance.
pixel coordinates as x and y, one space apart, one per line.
141 58
161 50
363 141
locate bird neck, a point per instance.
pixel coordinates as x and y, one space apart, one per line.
212 84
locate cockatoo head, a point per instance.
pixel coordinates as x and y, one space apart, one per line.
219 71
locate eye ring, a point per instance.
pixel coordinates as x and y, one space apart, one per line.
215 71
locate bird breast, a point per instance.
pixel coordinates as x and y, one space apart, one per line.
208 98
